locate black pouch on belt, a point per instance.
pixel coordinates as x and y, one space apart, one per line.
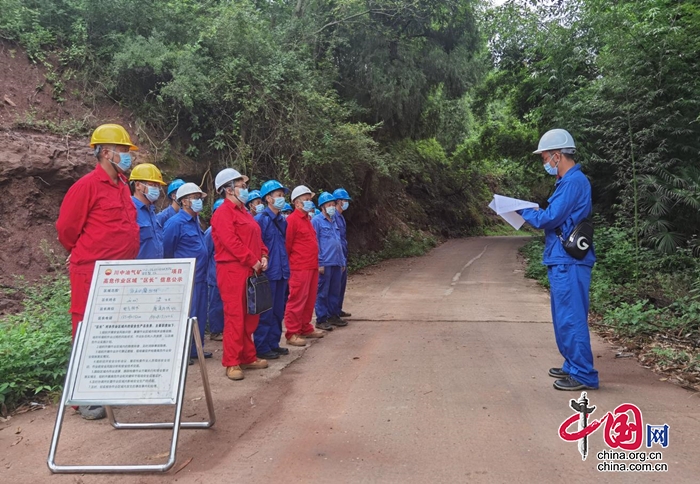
579 242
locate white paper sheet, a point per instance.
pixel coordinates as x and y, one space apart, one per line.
506 207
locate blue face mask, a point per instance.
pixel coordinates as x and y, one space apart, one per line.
330 211
124 161
197 205
152 194
279 203
308 206
243 195
259 208
552 170
345 205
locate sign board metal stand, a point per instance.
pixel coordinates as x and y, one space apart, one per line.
91 372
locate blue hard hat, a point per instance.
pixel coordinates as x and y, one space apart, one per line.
316 212
287 208
253 195
217 204
325 197
341 194
270 186
174 185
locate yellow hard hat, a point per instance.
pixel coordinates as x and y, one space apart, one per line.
111 134
146 172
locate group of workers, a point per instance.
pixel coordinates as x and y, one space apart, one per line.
301 249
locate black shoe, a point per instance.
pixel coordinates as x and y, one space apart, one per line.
270 355
336 321
557 373
207 354
343 314
281 351
324 325
191 362
569 384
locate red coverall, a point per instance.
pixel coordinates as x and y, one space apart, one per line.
302 248
97 221
238 246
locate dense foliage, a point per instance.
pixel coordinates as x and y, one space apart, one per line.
622 77
369 95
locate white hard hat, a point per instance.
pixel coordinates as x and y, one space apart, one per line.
188 189
227 175
556 139
301 190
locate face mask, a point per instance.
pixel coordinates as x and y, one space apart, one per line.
308 206
260 208
243 195
279 203
153 194
124 161
552 170
196 205
330 211
345 205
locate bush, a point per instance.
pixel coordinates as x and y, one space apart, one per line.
35 344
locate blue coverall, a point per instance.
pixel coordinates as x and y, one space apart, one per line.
183 238
569 278
150 231
215 315
330 257
342 226
269 331
165 215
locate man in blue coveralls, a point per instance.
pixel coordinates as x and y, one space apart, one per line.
569 278
146 181
342 202
183 238
274 228
173 208
215 314
330 264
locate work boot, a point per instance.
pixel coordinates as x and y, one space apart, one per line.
270 355
569 384
216 337
316 333
557 373
234 373
296 340
92 412
343 314
258 364
324 325
336 321
281 351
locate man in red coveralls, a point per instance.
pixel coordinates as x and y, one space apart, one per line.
97 220
238 251
302 248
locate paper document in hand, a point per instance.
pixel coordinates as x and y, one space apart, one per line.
506 207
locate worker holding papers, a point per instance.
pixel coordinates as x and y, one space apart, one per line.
507 208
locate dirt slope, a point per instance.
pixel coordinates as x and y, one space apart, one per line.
37 166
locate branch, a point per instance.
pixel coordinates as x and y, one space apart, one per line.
336 22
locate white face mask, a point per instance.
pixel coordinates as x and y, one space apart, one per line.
152 194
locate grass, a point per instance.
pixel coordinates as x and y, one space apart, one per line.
35 344
396 246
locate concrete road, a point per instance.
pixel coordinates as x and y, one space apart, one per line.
440 377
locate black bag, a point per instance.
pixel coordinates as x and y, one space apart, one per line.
258 294
580 241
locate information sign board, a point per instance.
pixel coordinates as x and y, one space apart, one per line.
133 335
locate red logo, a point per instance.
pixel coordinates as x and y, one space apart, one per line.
623 426
108 272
